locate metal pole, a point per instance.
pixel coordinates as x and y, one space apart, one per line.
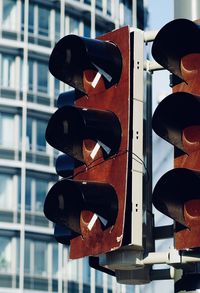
189 9
134 13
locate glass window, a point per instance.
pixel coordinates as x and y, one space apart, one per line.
6 192
9 14
19 192
41 192
21 72
109 3
55 260
129 288
36 135
99 4
22 16
39 24
72 270
87 30
41 142
17 255
42 73
56 87
44 19
36 261
29 139
127 7
37 76
6 122
110 279
27 256
36 191
28 194
5 254
8 71
73 26
31 18
86 271
30 75
57 26
40 258
98 278
100 31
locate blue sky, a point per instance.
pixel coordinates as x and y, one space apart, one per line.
160 12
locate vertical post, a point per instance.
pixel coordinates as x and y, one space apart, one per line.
187 9
134 13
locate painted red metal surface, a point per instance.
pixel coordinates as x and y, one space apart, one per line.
94 240
190 237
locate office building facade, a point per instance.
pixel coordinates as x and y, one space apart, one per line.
30 259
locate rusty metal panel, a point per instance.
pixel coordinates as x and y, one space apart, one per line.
177 120
189 237
114 170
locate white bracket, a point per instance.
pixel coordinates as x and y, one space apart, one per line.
152 66
129 259
171 257
149 36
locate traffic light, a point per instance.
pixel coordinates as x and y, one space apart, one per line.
177 120
94 133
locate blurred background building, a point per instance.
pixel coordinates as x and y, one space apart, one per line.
30 259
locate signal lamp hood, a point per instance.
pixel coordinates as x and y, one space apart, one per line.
69 126
72 55
175 188
175 40
175 113
67 198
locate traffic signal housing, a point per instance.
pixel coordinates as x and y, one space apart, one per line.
177 120
90 205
